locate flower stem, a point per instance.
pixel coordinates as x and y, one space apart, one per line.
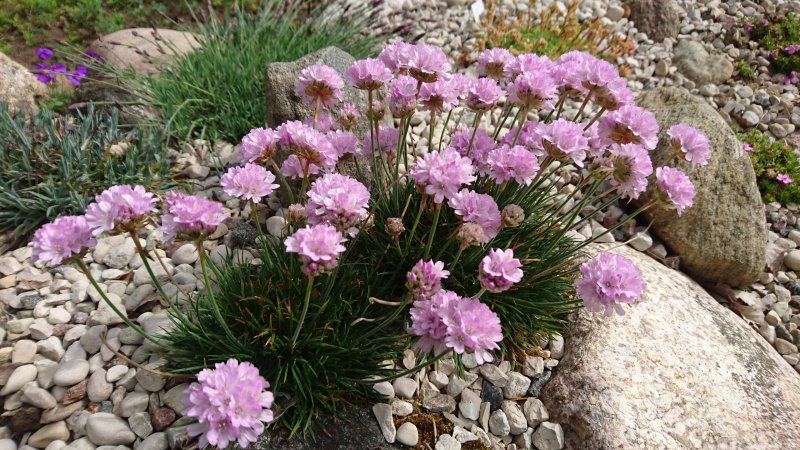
444 128
436 215
416 223
583 105
282 179
474 130
303 313
147 267
254 213
481 292
458 255
207 282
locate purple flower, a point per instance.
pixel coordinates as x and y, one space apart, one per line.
119 205
397 56
677 187
763 23
58 68
499 270
425 279
427 323
437 97
480 209
368 74
492 63
76 76
344 142
530 63
318 248
629 125
387 139
402 98
563 140
514 162
248 182
42 73
482 144
597 147
690 144
530 137
428 63
792 78
460 85
792 49
257 145
441 174
747 147
319 83
348 116
532 90
91 54
748 27
483 94
61 239
338 200
189 216
784 178
607 281
44 53
630 166
230 402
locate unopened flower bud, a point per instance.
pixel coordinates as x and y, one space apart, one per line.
376 111
370 222
297 215
512 216
470 234
394 227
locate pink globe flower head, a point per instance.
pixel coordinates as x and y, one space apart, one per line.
615 95
747 147
492 63
784 178
597 148
499 270
597 76
248 182
258 145
630 166
676 187
387 138
607 281
690 144
368 74
344 142
425 279
471 327
189 216
348 116
482 144
483 94
567 72
529 137
119 205
337 200
231 403
629 125
427 321
563 140
479 209
402 98
530 63
460 85
61 239
441 174
310 152
437 97
506 163
532 90
428 63
397 56
318 248
319 84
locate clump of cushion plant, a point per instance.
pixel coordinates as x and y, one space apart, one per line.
463 246
552 33
776 165
53 165
779 38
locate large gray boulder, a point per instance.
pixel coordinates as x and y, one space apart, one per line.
659 19
18 87
677 371
722 238
697 64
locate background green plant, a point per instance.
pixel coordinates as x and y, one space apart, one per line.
779 33
53 165
745 69
335 354
217 91
769 160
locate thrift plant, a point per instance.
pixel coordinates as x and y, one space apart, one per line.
463 245
779 39
776 165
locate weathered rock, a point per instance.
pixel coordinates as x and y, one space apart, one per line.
698 65
549 436
145 50
650 392
18 87
51 432
722 237
659 19
383 412
108 429
408 434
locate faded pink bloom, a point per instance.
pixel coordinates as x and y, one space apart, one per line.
514 162
630 166
690 144
368 74
492 63
563 140
472 327
319 83
402 97
258 144
532 90
629 125
63 238
189 216
119 205
425 279
338 200
441 174
344 142
499 270
677 187
607 281
482 144
478 208
318 248
483 94
248 182
437 97
428 63
397 56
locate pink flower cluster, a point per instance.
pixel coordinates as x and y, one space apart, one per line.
318 248
447 321
607 281
231 403
63 238
248 182
119 205
425 279
690 144
479 209
499 270
676 186
338 200
441 174
189 216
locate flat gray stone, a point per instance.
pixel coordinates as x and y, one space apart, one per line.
108 429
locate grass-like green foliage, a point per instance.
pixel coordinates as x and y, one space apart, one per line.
745 69
53 165
771 159
335 354
775 37
218 90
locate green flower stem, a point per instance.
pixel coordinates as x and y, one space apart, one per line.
436 215
507 108
306 302
111 305
143 255
583 105
594 119
430 131
523 115
474 130
207 282
416 223
282 179
444 128
414 369
458 255
254 213
481 292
